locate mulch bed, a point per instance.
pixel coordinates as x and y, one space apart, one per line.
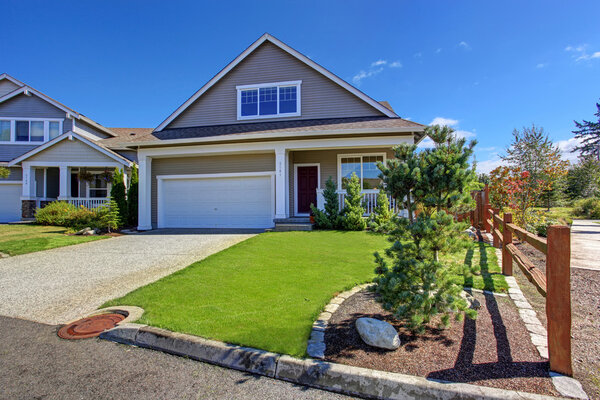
494 350
585 329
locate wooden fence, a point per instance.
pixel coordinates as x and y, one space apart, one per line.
554 285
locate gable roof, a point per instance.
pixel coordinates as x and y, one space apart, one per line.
264 38
28 90
69 135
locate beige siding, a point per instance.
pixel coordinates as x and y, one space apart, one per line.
7 86
72 151
208 165
16 174
321 97
328 164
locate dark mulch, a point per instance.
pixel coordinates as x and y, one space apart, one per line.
494 350
585 304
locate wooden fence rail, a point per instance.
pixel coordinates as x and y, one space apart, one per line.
554 285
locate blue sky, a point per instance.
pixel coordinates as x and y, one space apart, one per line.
485 67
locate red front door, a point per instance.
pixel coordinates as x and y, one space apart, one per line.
308 180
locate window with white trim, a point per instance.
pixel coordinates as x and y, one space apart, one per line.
25 130
269 100
364 166
98 186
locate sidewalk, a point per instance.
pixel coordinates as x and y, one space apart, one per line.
585 244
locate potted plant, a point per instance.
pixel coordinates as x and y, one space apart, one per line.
106 176
85 175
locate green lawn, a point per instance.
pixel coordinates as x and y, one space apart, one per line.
22 239
267 291
482 257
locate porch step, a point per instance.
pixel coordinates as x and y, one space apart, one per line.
292 224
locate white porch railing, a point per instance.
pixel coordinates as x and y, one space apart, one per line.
88 202
369 201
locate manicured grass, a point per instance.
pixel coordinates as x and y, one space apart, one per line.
22 239
488 274
265 292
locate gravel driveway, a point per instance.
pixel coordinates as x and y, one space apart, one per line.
59 285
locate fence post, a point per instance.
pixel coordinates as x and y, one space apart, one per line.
506 240
496 242
558 299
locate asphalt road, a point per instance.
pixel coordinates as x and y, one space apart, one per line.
36 364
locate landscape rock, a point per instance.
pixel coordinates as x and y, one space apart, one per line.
378 333
471 301
4 255
85 231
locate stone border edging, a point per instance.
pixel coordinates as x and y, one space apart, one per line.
565 385
316 343
315 373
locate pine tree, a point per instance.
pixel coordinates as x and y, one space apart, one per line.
401 174
414 284
380 219
330 217
118 193
353 212
132 198
589 134
111 219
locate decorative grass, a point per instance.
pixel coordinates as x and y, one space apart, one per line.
26 238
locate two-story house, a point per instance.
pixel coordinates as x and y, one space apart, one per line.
53 153
252 148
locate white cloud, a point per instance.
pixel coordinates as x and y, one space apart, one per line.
426 143
418 55
566 147
439 50
375 68
492 148
464 45
444 121
464 134
541 65
487 166
378 63
580 53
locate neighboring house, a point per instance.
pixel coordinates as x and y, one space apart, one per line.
49 148
255 145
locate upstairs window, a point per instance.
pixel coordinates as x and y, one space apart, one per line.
270 100
38 130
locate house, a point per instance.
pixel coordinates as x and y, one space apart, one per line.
53 153
254 146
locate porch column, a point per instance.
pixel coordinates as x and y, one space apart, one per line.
280 183
144 200
63 182
28 177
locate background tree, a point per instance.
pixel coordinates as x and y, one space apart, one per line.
132 198
483 178
330 217
353 213
118 193
4 173
414 284
380 219
111 219
589 134
583 178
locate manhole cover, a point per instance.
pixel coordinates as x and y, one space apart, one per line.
90 327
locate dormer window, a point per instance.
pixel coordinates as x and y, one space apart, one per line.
268 100
29 130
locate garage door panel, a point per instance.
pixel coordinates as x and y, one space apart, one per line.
232 202
10 202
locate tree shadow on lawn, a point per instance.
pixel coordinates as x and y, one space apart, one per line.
483 270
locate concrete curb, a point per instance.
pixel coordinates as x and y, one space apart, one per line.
320 374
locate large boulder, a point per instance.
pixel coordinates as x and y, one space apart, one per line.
378 333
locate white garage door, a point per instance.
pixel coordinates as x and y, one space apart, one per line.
10 202
224 202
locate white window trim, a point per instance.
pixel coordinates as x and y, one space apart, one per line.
361 155
318 165
88 187
240 88
46 138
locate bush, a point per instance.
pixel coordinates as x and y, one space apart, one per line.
118 193
537 222
132 198
60 213
380 220
353 212
588 208
330 217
